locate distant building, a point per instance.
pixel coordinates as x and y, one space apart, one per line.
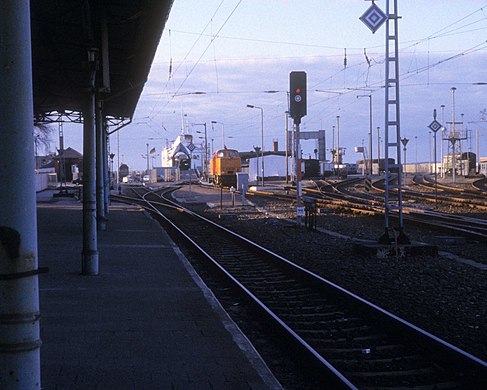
69 160
274 167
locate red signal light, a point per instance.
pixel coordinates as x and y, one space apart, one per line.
297 101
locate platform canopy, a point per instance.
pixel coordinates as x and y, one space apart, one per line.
123 36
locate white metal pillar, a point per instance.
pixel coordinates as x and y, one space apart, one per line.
100 173
106 174
89 264
19 286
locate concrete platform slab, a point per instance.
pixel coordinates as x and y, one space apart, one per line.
145 322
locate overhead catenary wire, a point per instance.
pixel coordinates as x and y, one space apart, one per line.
201 34
368 61
206 48
439 33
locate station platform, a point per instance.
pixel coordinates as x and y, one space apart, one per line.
147 321
211 196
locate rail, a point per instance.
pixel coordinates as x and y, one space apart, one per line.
356 343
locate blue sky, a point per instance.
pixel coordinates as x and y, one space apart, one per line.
235 50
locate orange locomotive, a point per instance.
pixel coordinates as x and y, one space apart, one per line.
224 166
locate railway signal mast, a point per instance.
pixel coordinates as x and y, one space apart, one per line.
435 126
373 18
298 109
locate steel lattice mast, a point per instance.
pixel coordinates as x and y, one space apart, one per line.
392 127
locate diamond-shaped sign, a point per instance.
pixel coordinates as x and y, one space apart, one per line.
191 147
435 126
373 18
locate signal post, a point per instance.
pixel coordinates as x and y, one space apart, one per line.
297 109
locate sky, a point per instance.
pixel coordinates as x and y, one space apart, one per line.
216 57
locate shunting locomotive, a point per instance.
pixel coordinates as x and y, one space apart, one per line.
224 166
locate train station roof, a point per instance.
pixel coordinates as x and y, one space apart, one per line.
125 35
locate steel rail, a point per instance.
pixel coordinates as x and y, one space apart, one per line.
465 225
429 341
336 197
338 377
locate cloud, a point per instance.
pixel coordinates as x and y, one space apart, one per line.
230 85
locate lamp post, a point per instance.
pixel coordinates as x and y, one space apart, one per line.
370 130
147 172
339 156
378 149
442 135
223 132
205 165
262 136
257 150
415 154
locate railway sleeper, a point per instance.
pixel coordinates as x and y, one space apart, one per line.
426 378
331 315
390 350
420 375
322 319
323 339
372 361
294 307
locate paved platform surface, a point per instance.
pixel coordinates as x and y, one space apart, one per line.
213 197
145 322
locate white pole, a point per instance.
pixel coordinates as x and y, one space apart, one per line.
442 136
89 263
453 136
19 286
477 158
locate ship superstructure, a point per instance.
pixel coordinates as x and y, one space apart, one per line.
182 154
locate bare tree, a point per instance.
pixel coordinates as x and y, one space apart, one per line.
42 132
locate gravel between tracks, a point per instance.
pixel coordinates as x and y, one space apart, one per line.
443 296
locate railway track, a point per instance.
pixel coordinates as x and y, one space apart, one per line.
354 343
480 185
474 228
451 195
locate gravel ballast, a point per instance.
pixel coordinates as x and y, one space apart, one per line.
445 294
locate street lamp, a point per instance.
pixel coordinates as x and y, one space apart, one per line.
262 136
370 130
378 149
223 132
416 154
147 172
442 135
338 140
205 165
339 156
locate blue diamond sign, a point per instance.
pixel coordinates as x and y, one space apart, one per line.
435 126
373 18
